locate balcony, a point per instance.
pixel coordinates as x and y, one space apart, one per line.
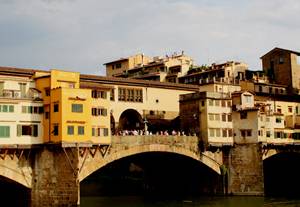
16 94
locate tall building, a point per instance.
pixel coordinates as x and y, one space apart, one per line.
282 66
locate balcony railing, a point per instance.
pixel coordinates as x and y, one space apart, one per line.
13 94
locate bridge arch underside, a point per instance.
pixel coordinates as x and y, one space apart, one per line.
13 193
281 174
154 172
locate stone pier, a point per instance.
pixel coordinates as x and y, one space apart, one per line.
245 170
55 177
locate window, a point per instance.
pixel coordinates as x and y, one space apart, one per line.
7 108
47 115
217 102
296 109
80 130
4 131
223 103
229 117
27 130
217 117
249 132
278 119
130 95
112 94
243 115
70 130
210 102
212 132
33 109
218 132
246 132
99 112
248 98
202 103
211 117
77 108
104 132
267 119
228 103
71 85
229 132
47 92
281 60
268 134
99 94
223 117
277 134
118 65
224 133
55 129
23 89
261 118
290 109
259 132
278 110
55 107
243 133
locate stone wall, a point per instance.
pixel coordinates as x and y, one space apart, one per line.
54 179
245 175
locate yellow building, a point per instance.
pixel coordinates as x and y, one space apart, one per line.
68 108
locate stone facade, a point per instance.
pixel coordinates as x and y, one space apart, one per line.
245 173
54 179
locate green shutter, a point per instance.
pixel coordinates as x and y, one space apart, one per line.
11 108
19 130
35 130
4 108
4 131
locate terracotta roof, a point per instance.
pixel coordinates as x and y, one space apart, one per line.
94 86
115 61
135 82
105 80
280 49
18 71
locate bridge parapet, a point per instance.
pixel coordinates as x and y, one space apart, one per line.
125 142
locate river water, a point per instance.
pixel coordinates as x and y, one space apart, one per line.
235 201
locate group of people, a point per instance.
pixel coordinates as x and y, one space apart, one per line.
136 132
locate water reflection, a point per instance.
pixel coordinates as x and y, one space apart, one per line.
239 201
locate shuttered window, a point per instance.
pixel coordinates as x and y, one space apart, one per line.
4 131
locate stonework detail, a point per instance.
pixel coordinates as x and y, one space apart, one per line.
55 180
246 170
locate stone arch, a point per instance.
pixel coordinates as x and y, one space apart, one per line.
11 170
130 119
281 173
273 152
96 163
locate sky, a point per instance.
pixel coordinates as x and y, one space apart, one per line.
82 35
